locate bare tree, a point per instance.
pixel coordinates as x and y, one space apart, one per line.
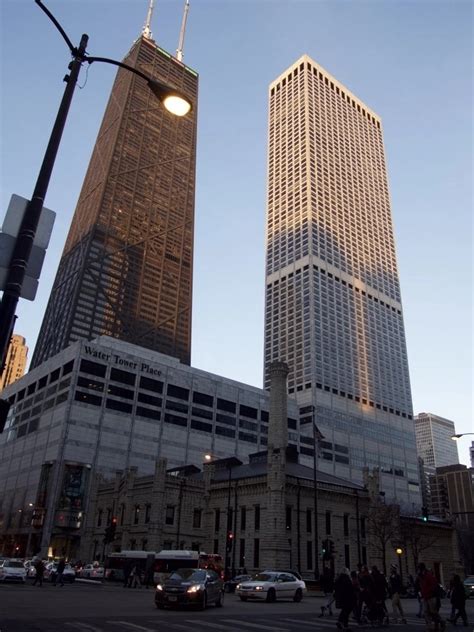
383 525
416 536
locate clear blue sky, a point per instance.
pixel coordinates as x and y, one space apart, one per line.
409 61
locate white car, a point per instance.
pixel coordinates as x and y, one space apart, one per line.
90 571
272 585
12 570
51 571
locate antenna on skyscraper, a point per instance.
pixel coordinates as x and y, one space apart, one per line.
146 31
179 50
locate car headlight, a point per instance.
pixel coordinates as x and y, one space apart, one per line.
258 587
238 587
196 588
159 587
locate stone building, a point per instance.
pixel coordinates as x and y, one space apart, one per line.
268 506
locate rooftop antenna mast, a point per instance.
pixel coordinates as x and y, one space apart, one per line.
179 50
146 31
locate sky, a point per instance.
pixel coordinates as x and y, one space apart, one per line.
410 61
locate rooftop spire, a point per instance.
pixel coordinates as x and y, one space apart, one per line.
146 31
179 50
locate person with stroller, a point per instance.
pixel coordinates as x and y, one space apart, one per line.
327 586
395 589
344 593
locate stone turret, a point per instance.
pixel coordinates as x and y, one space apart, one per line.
278 422
275 545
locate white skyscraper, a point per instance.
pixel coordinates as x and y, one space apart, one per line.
333 310
433 440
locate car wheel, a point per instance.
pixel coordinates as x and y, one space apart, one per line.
203 604
271 595
298 595
220 600
243 598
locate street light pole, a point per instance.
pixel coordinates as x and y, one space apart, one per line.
316 437
24 242
229 527
173 101
399 552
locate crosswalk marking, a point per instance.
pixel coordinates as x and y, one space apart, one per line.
133 626
85 627
257 626
300 622
215 626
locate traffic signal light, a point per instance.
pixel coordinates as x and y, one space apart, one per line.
230 539
331 548
109 535
424 513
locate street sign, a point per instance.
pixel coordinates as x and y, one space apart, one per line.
10 229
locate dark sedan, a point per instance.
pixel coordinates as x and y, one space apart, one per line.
190 587
231 584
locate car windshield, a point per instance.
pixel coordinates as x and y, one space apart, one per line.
12 564
188 575
264 577
469 581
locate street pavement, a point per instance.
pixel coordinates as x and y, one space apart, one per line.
86 607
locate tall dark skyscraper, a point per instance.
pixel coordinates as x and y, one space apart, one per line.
333 309
126 269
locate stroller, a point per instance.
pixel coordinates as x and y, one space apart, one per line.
374 612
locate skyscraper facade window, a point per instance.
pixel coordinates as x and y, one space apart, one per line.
15 363
333 309
433 440
126 269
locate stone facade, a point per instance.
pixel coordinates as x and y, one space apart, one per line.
268 510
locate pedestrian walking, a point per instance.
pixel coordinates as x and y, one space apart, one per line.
39 568
135 579
344 592
327 586
59 576
356 612
395 589
458 601
126 574
430 594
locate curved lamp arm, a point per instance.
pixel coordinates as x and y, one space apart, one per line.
173 100
57 25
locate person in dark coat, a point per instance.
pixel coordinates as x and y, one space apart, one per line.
39 568
327 586
126 574
395 589
59 576
344 593
458 600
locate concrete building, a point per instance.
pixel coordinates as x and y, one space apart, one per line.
452 494
126 269
433 440
107 405
15 363
333 308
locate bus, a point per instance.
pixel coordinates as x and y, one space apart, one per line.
163 563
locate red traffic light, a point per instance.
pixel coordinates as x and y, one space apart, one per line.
114 520
230 535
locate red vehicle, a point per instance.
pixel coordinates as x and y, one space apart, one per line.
213 562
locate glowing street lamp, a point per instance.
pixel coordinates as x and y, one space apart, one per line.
456 437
